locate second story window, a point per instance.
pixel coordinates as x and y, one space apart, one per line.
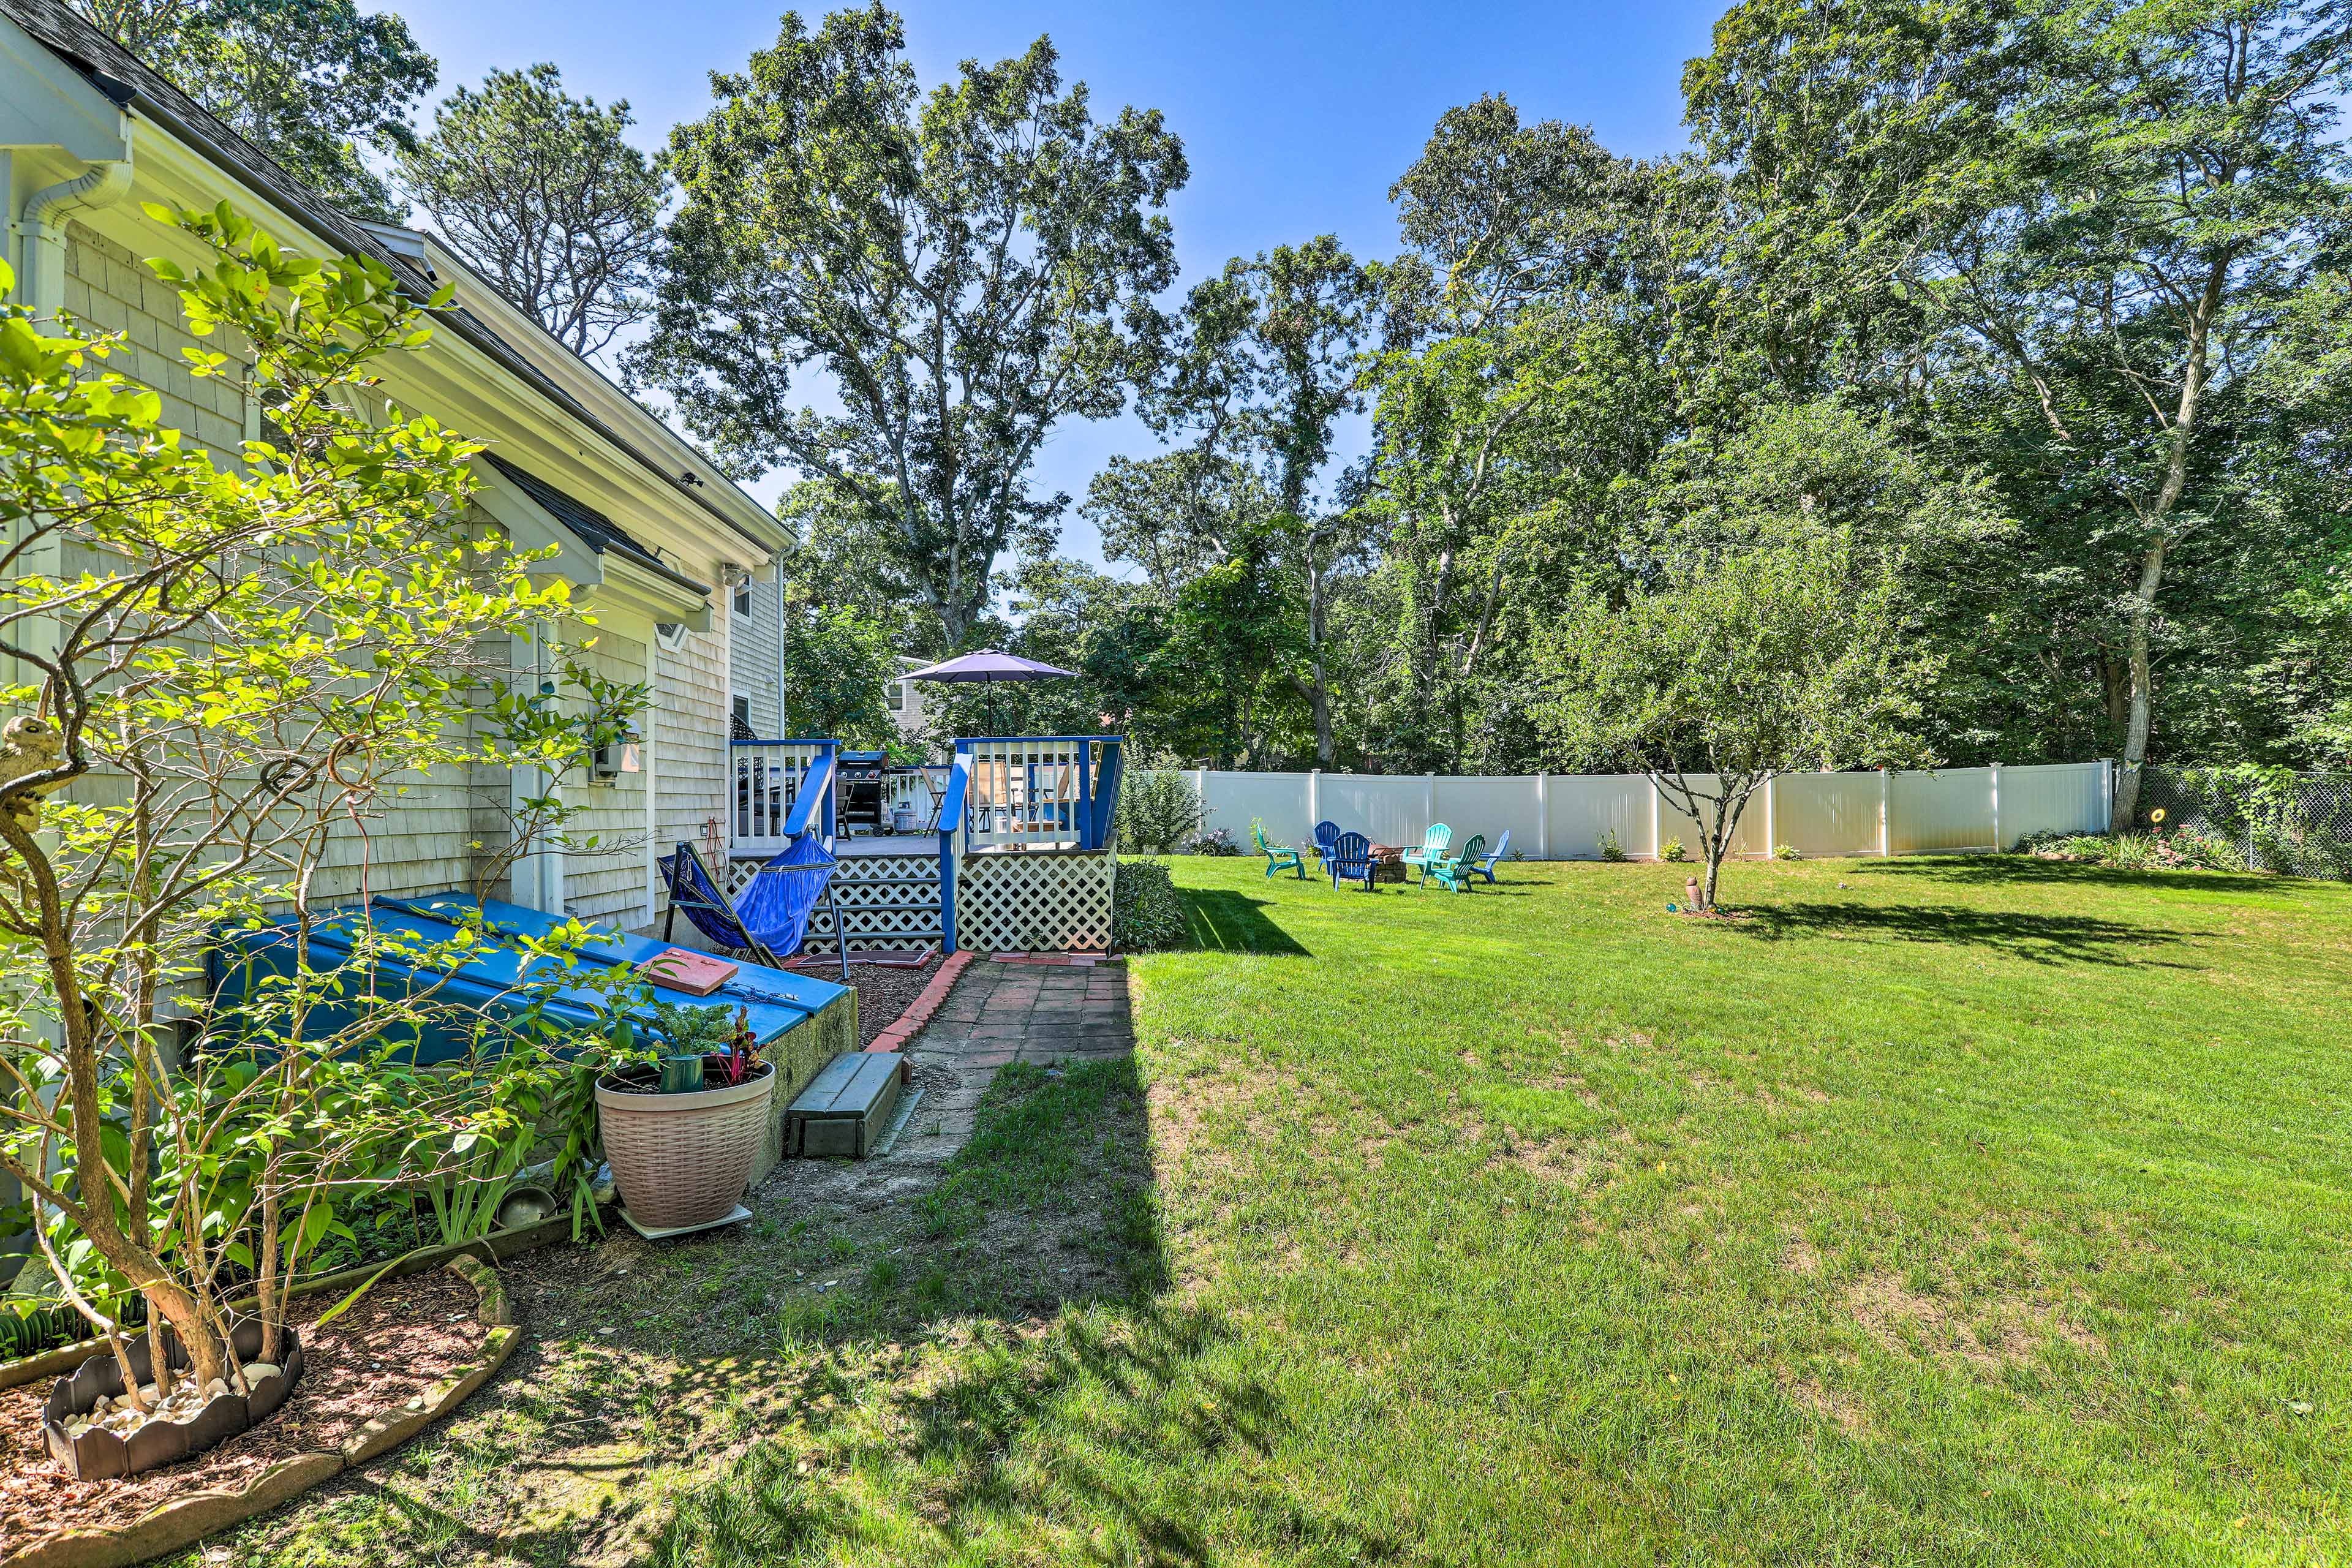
743 599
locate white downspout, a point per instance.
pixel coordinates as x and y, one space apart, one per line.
781 733
41 288
42 284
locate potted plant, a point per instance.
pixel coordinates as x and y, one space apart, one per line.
683 1135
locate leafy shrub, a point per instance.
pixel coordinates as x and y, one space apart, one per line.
1784 852
1145 913
1158 809
1218 842
1610 849
2186 850
1672 849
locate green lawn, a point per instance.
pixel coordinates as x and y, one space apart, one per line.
1953 1211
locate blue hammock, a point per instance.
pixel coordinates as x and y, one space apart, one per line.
770 919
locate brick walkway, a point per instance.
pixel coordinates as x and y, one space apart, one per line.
1039 1013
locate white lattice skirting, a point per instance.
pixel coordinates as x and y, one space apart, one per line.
886 901
1034 903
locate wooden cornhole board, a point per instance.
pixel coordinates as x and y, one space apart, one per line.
844 1112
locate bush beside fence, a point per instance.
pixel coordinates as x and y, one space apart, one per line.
2299 823
1563 816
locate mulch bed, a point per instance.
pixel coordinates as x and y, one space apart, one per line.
402 1337
884 991
883 994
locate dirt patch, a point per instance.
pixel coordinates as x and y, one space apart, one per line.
1178 1108
1801 1258
404 1336
1988 1333
1824 1401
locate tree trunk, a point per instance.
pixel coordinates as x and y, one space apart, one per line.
2159 515
2139 712
1318 696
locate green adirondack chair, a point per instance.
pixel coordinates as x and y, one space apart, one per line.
1433 849
1278 857
1454 871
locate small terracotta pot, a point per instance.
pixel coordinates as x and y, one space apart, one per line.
684 1159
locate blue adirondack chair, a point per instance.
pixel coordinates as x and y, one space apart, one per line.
1278 857
1484 865
771 917
1453 871
1352 861
1327 833
1433 848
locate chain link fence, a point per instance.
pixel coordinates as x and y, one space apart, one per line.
2298 824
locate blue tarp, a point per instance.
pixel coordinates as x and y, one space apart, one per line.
773 1000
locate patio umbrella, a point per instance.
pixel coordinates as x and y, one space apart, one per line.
989 665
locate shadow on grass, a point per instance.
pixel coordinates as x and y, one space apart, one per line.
2026 871
861 1360
1028 1425
1225 922
2037 938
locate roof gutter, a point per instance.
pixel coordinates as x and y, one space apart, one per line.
481 337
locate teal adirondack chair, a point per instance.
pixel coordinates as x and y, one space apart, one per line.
1433 849
1453 871
1278 857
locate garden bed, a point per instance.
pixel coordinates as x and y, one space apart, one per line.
403 1337
885 991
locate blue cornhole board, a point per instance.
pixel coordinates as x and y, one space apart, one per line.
775 1001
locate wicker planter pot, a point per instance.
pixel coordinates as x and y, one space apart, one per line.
684 1159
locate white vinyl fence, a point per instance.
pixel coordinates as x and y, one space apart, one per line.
1563 816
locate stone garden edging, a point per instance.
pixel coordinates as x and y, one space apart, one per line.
186 1520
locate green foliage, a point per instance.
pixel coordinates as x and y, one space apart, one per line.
1672 850
1160 812
1745 660
2088 216
544 194
1235 643
1610 849
1146 915
972 265
316 84
837 669
246 660
2180 851
1784 852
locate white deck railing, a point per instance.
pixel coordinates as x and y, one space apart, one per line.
767 783
1025 793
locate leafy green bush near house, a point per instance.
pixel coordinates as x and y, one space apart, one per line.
1158 810
1145 913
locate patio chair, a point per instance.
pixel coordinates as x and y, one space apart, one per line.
1453 871
770 919
1433 848
1484 865
1278 857
1352 861
1327 833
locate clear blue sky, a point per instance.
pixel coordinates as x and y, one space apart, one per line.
1295 118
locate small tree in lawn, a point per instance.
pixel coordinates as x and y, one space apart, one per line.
1741 662
237 666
